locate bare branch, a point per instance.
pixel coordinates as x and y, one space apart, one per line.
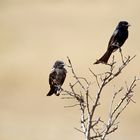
75 74
96 77
78 130
98 129
119 108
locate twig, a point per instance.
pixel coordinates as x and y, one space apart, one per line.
99 129
96 77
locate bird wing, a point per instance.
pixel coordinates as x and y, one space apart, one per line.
57 77
52 77
113 39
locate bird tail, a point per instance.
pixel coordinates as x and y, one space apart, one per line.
53 90
104 58
50 92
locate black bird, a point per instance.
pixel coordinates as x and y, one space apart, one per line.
116 41
57 78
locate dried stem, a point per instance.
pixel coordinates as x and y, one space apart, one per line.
92 128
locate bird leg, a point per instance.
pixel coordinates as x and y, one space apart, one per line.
120 50
58 90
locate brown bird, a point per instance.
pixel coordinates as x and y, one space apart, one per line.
57 78
116 41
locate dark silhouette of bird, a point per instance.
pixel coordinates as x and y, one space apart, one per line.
57 78
117 39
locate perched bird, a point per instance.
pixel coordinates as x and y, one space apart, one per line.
57 78
116 41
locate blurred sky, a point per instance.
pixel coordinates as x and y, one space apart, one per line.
33 35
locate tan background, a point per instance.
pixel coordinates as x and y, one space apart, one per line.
35 33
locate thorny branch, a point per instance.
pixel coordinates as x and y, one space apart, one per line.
92 128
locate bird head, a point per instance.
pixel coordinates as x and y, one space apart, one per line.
123 24
59 64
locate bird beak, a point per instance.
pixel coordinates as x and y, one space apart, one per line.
128 25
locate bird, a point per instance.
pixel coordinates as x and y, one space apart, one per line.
116 41
57 78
